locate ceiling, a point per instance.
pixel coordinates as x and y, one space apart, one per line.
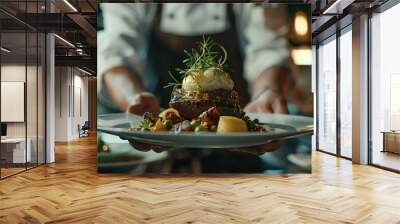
72 20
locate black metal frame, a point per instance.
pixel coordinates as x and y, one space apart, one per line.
316 97
338 98
44 80
369 116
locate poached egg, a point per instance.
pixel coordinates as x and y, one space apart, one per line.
207 80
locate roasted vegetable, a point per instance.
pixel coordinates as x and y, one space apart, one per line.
228 124
209 120
172 115
210 117
151 117
159 126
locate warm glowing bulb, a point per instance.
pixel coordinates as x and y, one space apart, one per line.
302 56
301 23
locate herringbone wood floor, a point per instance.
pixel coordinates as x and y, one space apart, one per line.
70 191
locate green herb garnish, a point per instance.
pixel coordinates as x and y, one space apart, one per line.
175 84
145 125
205 57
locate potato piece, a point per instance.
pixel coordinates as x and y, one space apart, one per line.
163 114
159 126
228 124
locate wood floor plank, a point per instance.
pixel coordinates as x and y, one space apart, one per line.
71 191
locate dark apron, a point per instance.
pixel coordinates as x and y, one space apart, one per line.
166 54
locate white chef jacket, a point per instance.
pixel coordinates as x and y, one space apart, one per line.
127 26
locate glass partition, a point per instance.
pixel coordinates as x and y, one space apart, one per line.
23 91
385 89
346 93
15 151
327 96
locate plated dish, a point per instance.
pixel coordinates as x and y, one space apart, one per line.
205 99
204 111
282 127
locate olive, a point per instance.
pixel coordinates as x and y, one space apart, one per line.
213 128
200 128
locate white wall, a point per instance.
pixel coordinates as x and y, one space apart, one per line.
16 73
33 127
70 83
61 104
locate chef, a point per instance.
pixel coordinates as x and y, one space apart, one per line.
142 42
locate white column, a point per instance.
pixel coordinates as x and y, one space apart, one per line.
50 100
360 90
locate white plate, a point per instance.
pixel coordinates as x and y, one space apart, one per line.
122 155
122 158
284 126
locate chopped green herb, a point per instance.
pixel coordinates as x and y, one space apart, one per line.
145 125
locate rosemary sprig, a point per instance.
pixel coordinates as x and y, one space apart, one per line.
205 57
175 84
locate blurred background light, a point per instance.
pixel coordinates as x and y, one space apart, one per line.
301 24
302 56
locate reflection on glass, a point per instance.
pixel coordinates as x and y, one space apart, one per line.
15 151
385 86
327 97
345 94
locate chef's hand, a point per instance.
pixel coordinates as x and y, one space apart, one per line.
143 102
144 147
255 150
125 88
269 101
269 91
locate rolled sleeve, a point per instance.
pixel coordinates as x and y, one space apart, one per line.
122 43
126 28
263 46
